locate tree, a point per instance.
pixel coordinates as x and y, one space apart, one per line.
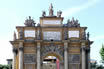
100 67
93 65
102 53
4 66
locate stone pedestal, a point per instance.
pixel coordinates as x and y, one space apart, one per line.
65 56
38 56
20 55
83 56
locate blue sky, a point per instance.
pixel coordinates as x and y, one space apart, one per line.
13 13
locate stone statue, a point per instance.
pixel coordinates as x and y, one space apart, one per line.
69 23
38 34
20 34
43 14
65 35
88 36
59 13
14 36
73 23
51 10
84 35
29 22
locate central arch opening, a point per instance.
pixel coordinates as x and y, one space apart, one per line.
51 61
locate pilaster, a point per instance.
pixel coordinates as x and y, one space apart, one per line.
65 55
83 55
38 56
14 57
20 55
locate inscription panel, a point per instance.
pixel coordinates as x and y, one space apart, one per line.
29 33
29 58
73 34
52 35
51 21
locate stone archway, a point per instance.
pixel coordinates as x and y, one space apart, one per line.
52 60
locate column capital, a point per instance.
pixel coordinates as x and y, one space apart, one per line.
14 50
83 44
65 46
88 49
20 48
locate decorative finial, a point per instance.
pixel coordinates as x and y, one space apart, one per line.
21 34
88 36
29 17
51 10
43 14
59 13
14 36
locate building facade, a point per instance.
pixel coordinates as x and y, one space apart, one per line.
51 44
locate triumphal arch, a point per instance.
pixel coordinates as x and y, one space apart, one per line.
51 44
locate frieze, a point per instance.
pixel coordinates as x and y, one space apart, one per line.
29 58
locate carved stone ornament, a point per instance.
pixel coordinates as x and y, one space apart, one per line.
74 58
88 36
39 34
29 22
20 34
59 13
43 13
15 36
51 10
29 58
20 48
73 23
83 48
53 48
88 49
84 35
65 35
15 50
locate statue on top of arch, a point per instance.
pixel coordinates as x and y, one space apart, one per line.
73 23
29 22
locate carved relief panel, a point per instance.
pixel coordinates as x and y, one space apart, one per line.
57 49
29 58
74 61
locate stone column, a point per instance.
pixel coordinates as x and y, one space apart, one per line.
38 56
65 56
83 56
88 57
14 58
20 55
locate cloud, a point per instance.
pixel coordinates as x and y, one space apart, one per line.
73 10
98 38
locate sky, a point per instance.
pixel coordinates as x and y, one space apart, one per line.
90 13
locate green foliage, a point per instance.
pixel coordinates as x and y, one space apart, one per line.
100 67
102 53
4 66
93 65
